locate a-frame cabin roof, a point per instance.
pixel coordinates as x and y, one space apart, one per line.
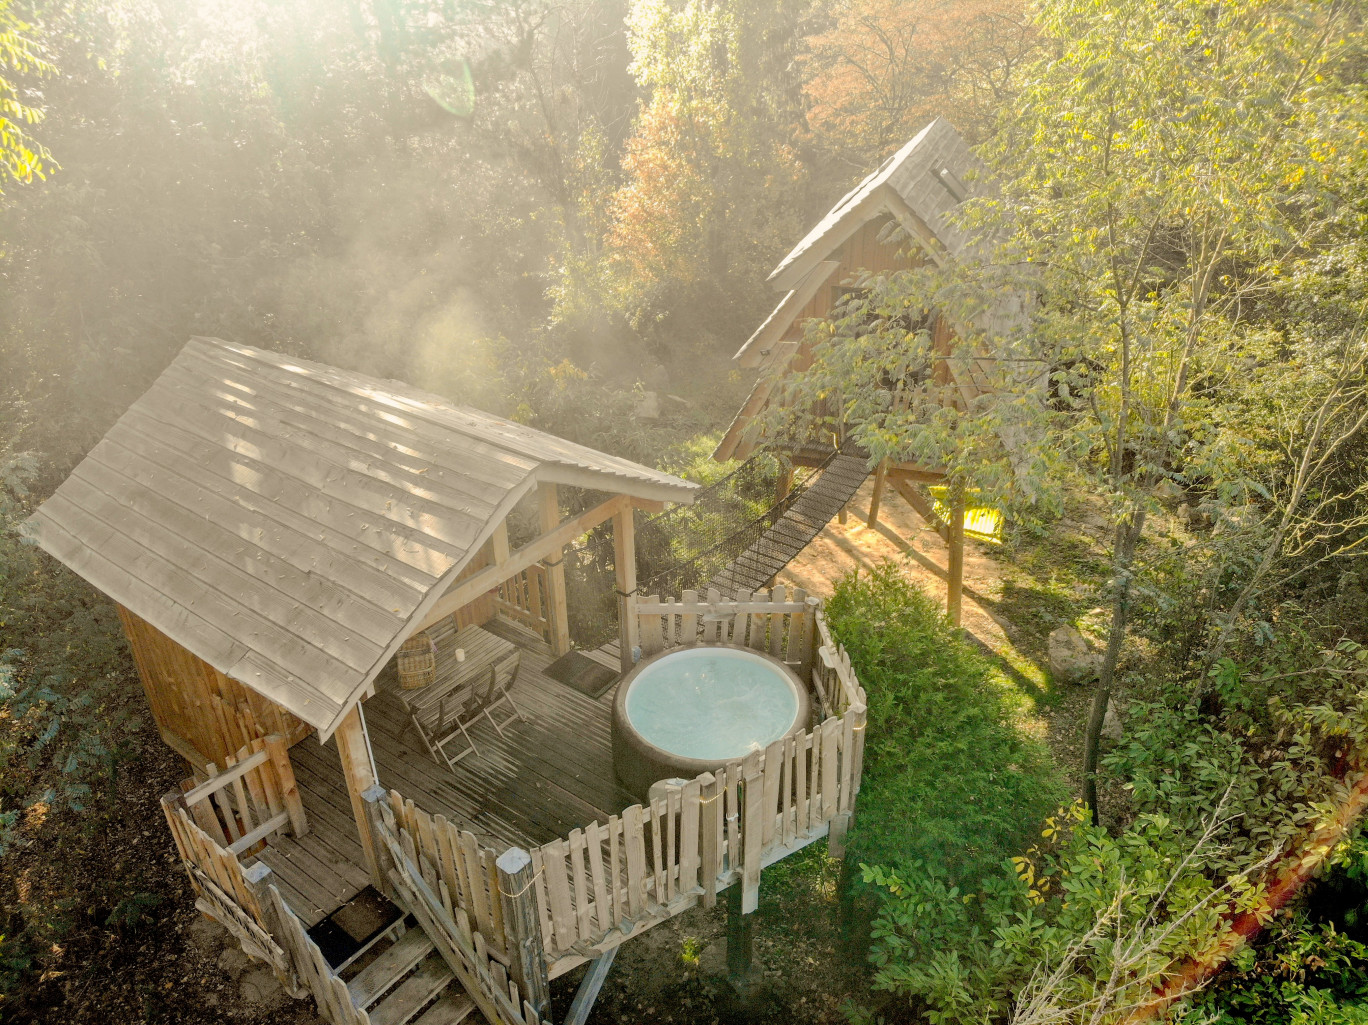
289 523
919 187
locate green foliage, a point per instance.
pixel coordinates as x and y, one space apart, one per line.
64 727
1280 729
951 780
21 157
1311 968
1084 922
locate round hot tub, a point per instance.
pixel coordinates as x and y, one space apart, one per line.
694 709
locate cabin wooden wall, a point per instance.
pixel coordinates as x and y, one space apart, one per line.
481 610
204 715
862 252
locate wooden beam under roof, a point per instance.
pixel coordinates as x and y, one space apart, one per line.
534 551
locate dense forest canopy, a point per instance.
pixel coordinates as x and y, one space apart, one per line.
457 194
548 210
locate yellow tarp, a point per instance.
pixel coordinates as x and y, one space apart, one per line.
981 522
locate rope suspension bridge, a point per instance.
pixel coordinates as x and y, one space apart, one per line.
721 540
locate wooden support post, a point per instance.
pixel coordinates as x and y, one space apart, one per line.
753 818
740 938
353 747
624 561
522 928
785 482
880 475
548 513
841 516
955 587
710 826
278 751
498 543
589 988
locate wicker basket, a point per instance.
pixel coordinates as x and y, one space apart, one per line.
417 662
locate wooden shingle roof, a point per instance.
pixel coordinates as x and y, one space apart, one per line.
287 522
919 185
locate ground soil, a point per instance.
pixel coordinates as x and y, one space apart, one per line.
166 963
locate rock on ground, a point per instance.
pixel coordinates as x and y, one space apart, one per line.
1072 659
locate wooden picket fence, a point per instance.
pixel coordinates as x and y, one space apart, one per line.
315 976
453 864
779 622
224 890
575 898
608 881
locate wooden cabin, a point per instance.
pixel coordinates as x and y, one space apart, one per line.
897 218
307 562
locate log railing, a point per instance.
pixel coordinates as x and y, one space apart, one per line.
253 797
523 598
421 888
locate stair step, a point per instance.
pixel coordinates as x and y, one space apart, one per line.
452 1007
413 994
387 969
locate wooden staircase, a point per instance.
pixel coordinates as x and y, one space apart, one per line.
811 511
409 982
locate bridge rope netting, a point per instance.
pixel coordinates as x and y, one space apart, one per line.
679 549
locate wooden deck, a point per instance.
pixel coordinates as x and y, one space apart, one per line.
552 773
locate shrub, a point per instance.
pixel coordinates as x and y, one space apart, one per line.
952 783
952 787
1311 968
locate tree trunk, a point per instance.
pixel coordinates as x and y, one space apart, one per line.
1127 536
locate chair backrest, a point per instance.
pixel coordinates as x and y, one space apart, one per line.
504 671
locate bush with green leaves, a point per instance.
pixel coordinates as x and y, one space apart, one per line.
1083 923
952 788
1312 966
65 726
952 780
1279 728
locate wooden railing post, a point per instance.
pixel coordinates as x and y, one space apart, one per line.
373 799
753 830
880 475
711 821
955 566
359 772
548 510
279 752
527 954
624 562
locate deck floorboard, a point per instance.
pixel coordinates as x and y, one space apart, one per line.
550 773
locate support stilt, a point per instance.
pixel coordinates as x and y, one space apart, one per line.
589 988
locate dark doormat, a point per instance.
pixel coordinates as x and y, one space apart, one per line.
580 671
354 925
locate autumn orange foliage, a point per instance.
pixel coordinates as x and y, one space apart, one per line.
659 213
881 69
